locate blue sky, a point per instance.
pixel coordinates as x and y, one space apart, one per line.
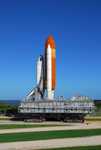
76 27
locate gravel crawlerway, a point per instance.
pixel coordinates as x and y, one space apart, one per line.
54 143
95 125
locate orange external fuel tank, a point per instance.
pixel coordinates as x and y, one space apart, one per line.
50 66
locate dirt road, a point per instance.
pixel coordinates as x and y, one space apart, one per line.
70 127
54 143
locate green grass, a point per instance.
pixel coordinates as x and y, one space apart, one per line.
43 135
79 148
5 118
93 118
15 126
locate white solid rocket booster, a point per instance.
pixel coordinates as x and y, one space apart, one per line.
49 74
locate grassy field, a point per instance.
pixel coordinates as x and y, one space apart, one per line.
79 148
15 126
43 135
93 118
5 118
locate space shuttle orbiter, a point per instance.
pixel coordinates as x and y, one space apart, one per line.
46 73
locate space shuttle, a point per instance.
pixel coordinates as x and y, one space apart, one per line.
45 73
